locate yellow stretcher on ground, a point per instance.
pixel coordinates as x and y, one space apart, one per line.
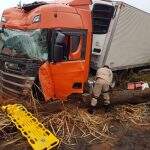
37 135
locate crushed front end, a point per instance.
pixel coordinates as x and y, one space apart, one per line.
17 76
21 55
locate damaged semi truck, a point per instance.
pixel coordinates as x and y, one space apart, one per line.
48 48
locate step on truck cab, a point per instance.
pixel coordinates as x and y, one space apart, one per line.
46 47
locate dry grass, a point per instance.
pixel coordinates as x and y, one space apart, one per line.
73 124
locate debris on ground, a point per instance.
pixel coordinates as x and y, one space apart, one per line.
75 127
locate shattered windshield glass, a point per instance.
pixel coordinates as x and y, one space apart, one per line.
25 44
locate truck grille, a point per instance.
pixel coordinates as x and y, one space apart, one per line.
7 85
12 78
14 83
16 75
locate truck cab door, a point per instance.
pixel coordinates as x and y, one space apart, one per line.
67 63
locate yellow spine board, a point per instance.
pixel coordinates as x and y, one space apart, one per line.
37 135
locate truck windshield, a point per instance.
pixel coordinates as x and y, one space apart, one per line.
31 44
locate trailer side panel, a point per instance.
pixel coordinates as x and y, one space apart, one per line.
130 46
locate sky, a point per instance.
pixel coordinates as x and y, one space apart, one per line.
141 4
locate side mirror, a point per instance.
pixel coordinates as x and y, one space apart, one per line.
60 38
58 53
58 49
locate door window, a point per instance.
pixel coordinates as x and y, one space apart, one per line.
71 44
74 43
75 47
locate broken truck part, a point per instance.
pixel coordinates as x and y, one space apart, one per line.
37 135
46 47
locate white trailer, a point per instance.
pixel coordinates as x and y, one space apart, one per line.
121 36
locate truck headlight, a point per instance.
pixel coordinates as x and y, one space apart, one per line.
37 19
3 19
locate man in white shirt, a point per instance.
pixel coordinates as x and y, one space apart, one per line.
104 77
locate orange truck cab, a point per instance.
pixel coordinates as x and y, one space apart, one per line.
46 47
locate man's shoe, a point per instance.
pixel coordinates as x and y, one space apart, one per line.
108 108
91 110
106 102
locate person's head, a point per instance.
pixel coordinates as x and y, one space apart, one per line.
106 66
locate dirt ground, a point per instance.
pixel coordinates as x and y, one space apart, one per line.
126 127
